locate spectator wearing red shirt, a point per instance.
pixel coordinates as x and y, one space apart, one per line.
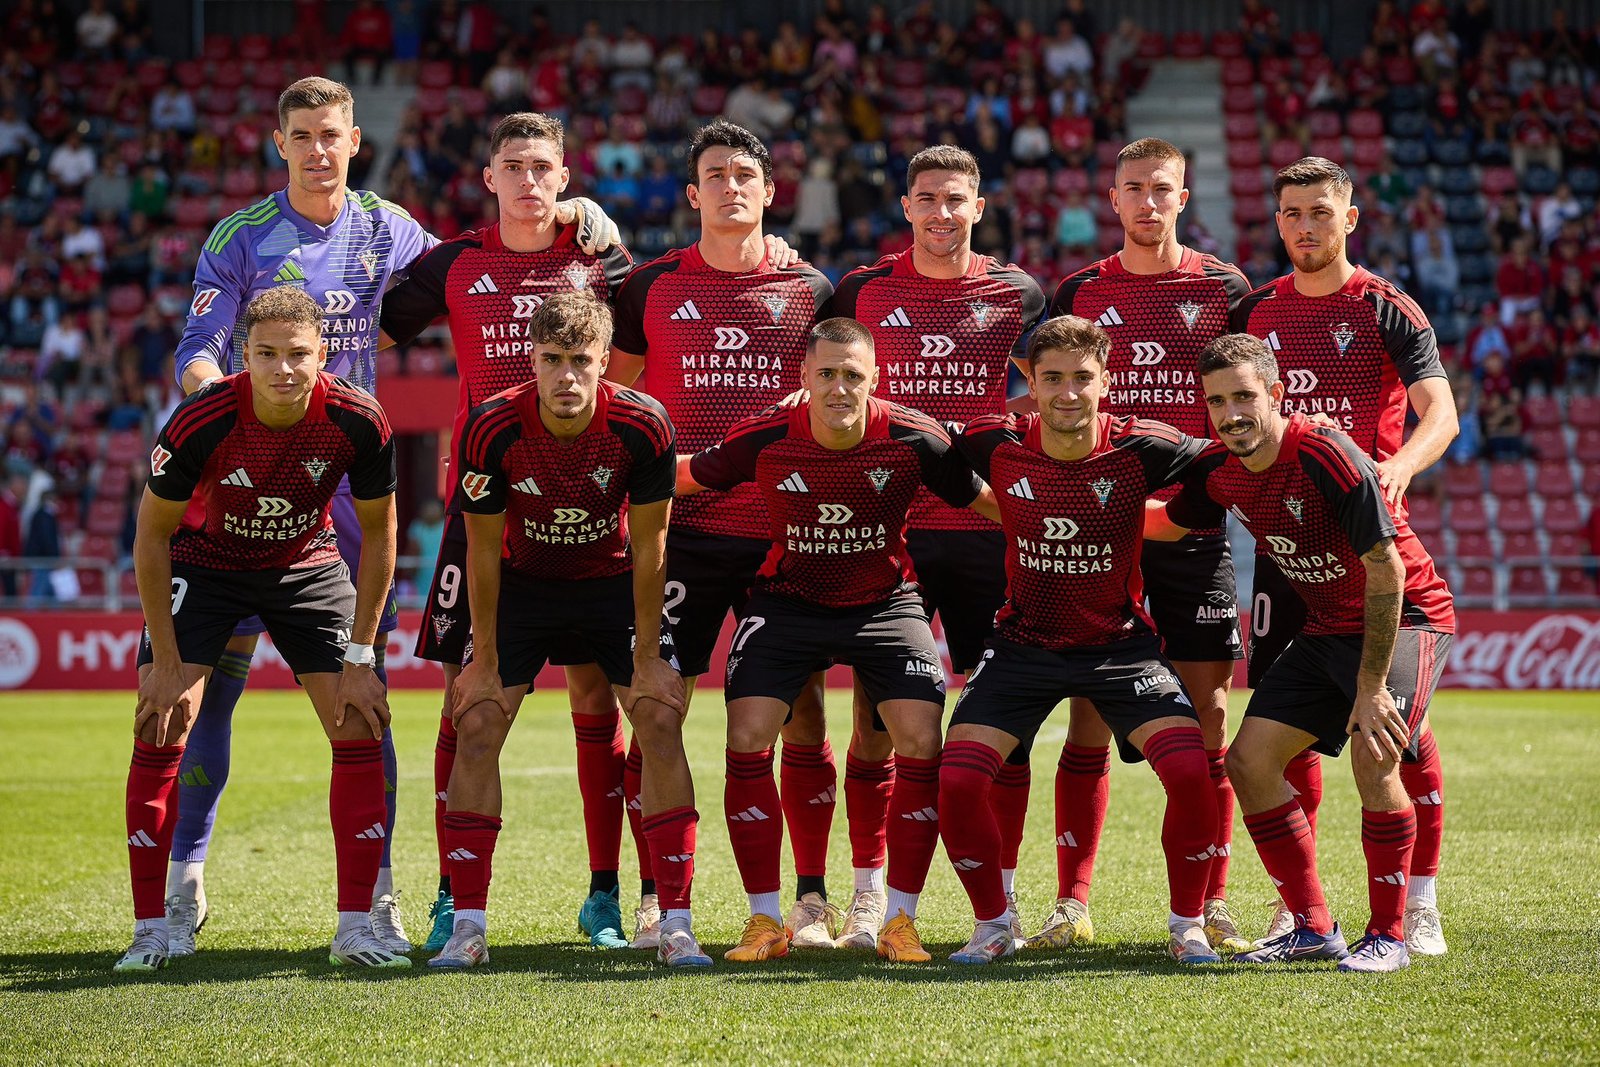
1520 283
368 37
1072 137
11 498
1389 34
1534 352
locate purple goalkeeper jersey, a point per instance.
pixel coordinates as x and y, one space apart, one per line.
345 267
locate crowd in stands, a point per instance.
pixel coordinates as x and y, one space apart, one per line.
1476 152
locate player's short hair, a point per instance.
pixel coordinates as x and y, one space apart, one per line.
528 126
1150 148
942 157
283 303
1069 333
309 94
571 321
1313 170
720 133
1239 350
840 331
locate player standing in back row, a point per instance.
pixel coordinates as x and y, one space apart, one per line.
1355 348
947 323
1161 303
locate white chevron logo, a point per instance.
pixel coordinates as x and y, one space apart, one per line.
827 796
936 345
834 514
1300 380
686 312
1060 529
730 339
751 814
523 307
925 815
1397 878
270 507
240 478
897 317
140 839
1066 840
527 485
794 484
1109 317
483 287
372 833
338 301
1429 799
967 865
568 516
1021 490
463 855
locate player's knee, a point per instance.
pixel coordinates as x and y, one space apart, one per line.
656 724
591 699
869 743
478 733
1249 766
245 644
748 736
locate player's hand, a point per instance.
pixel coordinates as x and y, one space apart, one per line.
596 232
654 678
799 398
1379 723
362 689
1394 475
1321 420
477 684
164 695
779 254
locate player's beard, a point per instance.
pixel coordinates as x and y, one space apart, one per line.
1067 425
1242 446
1147 238
1317 259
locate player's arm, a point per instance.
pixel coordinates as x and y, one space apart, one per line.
418 300
729 462
162 689
359 685
219 291
624 368
1158 524
986 505
1437 425
1374 717
1191 509
479 680
653 677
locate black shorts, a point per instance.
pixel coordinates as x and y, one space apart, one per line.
963 577
586 621
1016 687
778 644
1277 615
308 611
1312 686
707 577
1193 597
446 632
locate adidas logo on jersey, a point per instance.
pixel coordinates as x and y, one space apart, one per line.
1273 342
1021 490
372 833
686 312
483 286
1109 317
1211 852
750 814
528 486
794 484
239 478
683 858
897 317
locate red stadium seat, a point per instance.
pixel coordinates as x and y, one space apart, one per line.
1568 545
708 100
1246 183
436 74
1476 546
1475 583
191 74
1239 100
1324 124
1542 411
630 100
1105 154
1590 481
1584 412
1587 450
1424 515
1070 180
910 100
1108 239
1562 515
98 546
1367 153
1364 123
1153 46
243 181
1515 515
1306 44
1240 71
1244 154
193 213
1554 478
152 74
1284 151
217 46
1276 67
908 74
630 127
1468 515
1328 148
908 126
71 75
953 97
1499 180
1241 128
432 103
1575 582
1030 184
389 363
1528 581
1548 442
1227 44
475 102
1516 546
255 47
125 299
1399 70
227 76
107 74
1509 479
106 517
1187 44
1250 210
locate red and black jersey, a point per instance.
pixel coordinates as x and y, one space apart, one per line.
717 347
1350 355
943 345
838 517
264 492
1074 529
563 500
490 292
1316 511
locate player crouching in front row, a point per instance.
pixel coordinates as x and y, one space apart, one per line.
265 450
1378 628
547 468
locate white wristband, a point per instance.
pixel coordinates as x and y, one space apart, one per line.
360 655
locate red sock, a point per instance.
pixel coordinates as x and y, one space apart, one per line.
867 785
1189 829
913 822
632 786
357 810
444 760
1008 800
671 837
471 838
1083 791
967 773
152 813
600 759
809 788
1283 840
1304 775
1387 837
755 819
1424 784
1217 885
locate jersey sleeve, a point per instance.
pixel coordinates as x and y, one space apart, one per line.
1033 306
1348 481
978 440
1193 508
1067 292
1235 285
374 471
841 303
411 241
1408 338
945 470
415 302
219 291
821 288
1240 319
186 442
628 333
1164 452
617 265
732 461
491 428
653 445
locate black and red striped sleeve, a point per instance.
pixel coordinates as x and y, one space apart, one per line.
1031 299
1066 294
842 302
732 461
945 471
617 263
373 470
491 428
643 425
1407 335
1164 452
1194 508
628 307
1240 320
821 288
193 433
1235 286
1348 481
978 439
413 304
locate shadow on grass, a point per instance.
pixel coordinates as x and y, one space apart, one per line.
57 972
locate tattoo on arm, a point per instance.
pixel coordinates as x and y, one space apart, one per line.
1383 594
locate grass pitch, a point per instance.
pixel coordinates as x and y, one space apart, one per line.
1518 890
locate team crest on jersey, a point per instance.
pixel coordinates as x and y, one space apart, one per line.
577 277
980 312
1296 508
1102 489
441 626
1342 336
602 476
775 304
369 263
879 477
1190 312
316 468
158 461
